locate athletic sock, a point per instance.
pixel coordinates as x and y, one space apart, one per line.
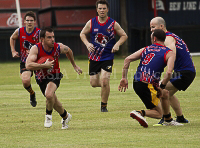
64 115
49 112
168 117
103 105
30 90
142 112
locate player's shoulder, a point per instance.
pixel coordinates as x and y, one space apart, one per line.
36 28
21 28
111 19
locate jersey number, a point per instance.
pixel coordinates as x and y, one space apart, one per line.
148 58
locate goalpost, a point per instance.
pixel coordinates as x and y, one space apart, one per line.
18 13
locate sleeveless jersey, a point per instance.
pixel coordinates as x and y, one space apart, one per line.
152 64
27 40
102 36
183 57
55 53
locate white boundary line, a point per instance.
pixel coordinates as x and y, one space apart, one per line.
195 54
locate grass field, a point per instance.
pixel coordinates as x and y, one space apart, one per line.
22 126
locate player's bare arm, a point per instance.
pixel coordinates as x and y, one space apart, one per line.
83 36
124 81
170 42
31 61
13 39
123 37
66 50
170 57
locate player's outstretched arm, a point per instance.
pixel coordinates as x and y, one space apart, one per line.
13 39
69 54
31 63
124 81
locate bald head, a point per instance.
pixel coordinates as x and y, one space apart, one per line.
158 23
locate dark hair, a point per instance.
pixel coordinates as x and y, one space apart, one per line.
159 34
31 14
102 2
44 30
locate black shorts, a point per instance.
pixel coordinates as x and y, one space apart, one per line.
182 79
147 94
96 66
55 78
23 68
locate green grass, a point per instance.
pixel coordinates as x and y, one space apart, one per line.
23 126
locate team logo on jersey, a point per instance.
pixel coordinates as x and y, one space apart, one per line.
27 45
101 39
23 37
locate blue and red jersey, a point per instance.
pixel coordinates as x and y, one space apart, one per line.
152 64
183 57
27 40
55 53
102 36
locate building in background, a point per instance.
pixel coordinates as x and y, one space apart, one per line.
68 17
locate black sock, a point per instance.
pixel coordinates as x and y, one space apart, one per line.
29 89
48 112
142 112
64 114
168 117
103 105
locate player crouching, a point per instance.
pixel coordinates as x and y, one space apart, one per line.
153 60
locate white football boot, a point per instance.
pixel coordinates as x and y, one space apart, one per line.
48 121
66 121
137 116
172 123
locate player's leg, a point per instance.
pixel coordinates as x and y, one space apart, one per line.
26 81
106 70
148 95
174 102
105 89
155 112
48 89
50 97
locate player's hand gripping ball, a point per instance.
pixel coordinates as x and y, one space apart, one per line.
43 60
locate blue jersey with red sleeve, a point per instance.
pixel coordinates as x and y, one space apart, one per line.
152 64
102 36
183 57
27 40
55 53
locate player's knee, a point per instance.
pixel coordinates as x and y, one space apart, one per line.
49 96
165 94
105 83
94 83
26 82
